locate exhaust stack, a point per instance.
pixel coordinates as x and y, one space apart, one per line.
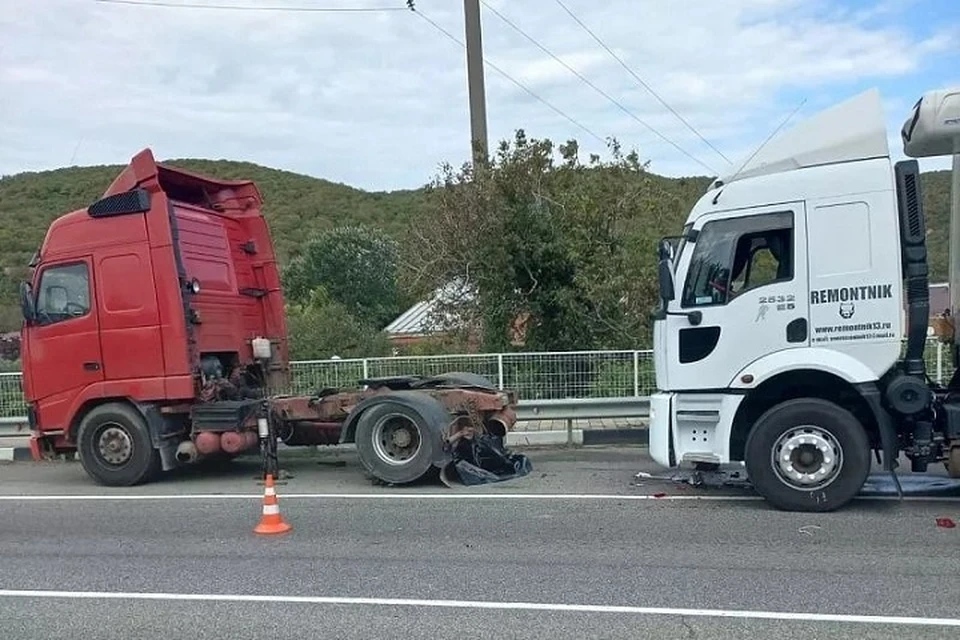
913 247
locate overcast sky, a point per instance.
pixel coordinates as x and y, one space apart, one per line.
378 100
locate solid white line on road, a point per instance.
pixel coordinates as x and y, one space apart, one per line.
453 495
472 604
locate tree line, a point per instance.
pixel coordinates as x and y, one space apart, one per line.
537 249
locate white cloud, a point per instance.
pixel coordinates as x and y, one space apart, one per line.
546 70
379 100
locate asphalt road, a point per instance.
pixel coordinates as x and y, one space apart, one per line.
579 549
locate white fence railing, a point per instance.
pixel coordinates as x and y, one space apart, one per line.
534 376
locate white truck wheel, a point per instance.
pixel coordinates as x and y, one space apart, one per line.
807 454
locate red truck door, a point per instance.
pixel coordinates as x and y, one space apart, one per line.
64 343
129 317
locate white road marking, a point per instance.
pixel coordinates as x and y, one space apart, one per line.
473 604
453 495
373 496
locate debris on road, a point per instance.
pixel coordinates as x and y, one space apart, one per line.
699 478
877 484
946 523
483 459
913 484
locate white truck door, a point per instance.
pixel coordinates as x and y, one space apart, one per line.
747 275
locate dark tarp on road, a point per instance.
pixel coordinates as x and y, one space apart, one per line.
483 459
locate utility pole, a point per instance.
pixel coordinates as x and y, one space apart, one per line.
478 99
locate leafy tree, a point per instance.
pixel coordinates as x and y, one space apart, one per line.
566 245
357 267
936 207
320 328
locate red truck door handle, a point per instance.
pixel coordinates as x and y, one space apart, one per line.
91 366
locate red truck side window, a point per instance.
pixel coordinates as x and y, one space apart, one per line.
64 293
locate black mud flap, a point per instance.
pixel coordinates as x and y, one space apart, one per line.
483 460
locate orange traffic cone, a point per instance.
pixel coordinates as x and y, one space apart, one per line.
271 523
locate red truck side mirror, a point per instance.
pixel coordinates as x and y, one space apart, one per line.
28 306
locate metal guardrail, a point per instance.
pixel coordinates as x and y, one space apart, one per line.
584 408
567 385
14 427
570 409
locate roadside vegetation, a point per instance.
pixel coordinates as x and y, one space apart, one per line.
540 250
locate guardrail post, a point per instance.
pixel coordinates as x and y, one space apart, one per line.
500 371
366 368
636 373
569 432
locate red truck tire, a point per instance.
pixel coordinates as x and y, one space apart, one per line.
115 446
394 443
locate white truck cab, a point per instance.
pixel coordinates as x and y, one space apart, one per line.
779 337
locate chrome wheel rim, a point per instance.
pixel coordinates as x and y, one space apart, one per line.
807 457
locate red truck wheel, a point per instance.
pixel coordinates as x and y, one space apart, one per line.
394 443
115 446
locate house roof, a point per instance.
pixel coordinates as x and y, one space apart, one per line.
414 321
421 319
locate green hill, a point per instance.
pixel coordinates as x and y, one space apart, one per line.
297 205
936 204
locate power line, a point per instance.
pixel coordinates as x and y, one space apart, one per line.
596 88
509 77
640 80
409 7
240 7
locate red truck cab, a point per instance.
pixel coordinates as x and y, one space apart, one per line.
168 271
154 336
